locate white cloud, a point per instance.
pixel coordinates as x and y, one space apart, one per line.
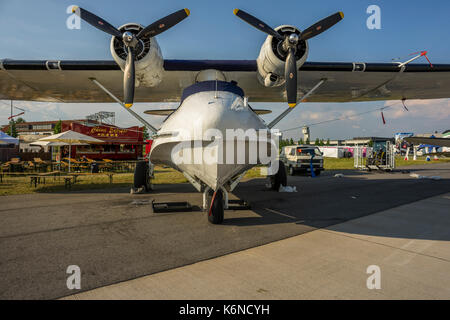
436 109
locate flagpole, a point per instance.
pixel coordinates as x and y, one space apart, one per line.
70 149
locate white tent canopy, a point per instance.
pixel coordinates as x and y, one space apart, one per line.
48 144
71 138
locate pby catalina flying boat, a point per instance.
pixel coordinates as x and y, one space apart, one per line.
215 94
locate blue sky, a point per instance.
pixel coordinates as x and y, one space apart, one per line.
37 30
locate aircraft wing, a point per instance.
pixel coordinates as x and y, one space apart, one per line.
68 81
442 142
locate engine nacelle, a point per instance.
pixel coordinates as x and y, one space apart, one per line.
148 58
272 58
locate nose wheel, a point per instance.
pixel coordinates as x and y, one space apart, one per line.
214 206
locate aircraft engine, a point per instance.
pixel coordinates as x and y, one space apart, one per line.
272 57
148 58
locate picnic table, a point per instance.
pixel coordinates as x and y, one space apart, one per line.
40 178
77 165
78 174
40 164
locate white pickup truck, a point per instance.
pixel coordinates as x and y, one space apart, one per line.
298 158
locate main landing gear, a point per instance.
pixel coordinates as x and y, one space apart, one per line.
142 177
280 178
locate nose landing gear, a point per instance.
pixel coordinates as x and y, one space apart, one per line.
215 206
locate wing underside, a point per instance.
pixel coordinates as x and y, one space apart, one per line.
69 81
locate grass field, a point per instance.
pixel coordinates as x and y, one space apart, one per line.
21 184
347 163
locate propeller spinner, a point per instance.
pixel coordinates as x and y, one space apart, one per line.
289 45
130 41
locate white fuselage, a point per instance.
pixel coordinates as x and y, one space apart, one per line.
195 138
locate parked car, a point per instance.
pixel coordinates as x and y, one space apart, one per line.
299 158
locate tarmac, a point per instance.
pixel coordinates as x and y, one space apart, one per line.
329 263
313 244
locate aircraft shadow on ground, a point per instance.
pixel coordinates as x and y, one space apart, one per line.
327 204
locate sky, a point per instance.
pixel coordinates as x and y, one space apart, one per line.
37 30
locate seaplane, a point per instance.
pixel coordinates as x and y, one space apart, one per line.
214 95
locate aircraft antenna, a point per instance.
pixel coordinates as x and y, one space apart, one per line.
216 87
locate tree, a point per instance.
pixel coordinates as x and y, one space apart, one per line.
291 142
20 120
12 131
301 141
146 135
328 141
317 142
322 143
307 141
57 128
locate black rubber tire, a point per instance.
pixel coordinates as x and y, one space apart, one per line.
280 178
217 208
141 175
291 171
317 172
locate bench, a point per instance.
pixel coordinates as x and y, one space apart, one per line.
109 174
36 180
68 181
40 178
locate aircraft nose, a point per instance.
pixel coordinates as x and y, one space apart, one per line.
204 123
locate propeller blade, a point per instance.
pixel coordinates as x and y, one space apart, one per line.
96 21
163 24
322 25
129 79
258 24
290 73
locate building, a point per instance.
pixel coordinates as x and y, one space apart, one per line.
120 143
357 141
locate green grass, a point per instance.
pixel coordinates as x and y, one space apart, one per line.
347 163
21 184
338 164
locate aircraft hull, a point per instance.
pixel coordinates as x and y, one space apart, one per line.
196 138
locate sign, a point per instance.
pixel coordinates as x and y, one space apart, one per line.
110 134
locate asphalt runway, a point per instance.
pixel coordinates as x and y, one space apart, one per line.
114 236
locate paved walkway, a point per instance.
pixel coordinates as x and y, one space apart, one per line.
410 244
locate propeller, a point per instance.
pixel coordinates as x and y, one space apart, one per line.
289 45
130 41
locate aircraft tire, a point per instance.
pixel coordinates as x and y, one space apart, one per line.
217 210
141 176
291 171
280 177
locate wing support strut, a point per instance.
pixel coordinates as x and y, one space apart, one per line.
134 114
286 112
